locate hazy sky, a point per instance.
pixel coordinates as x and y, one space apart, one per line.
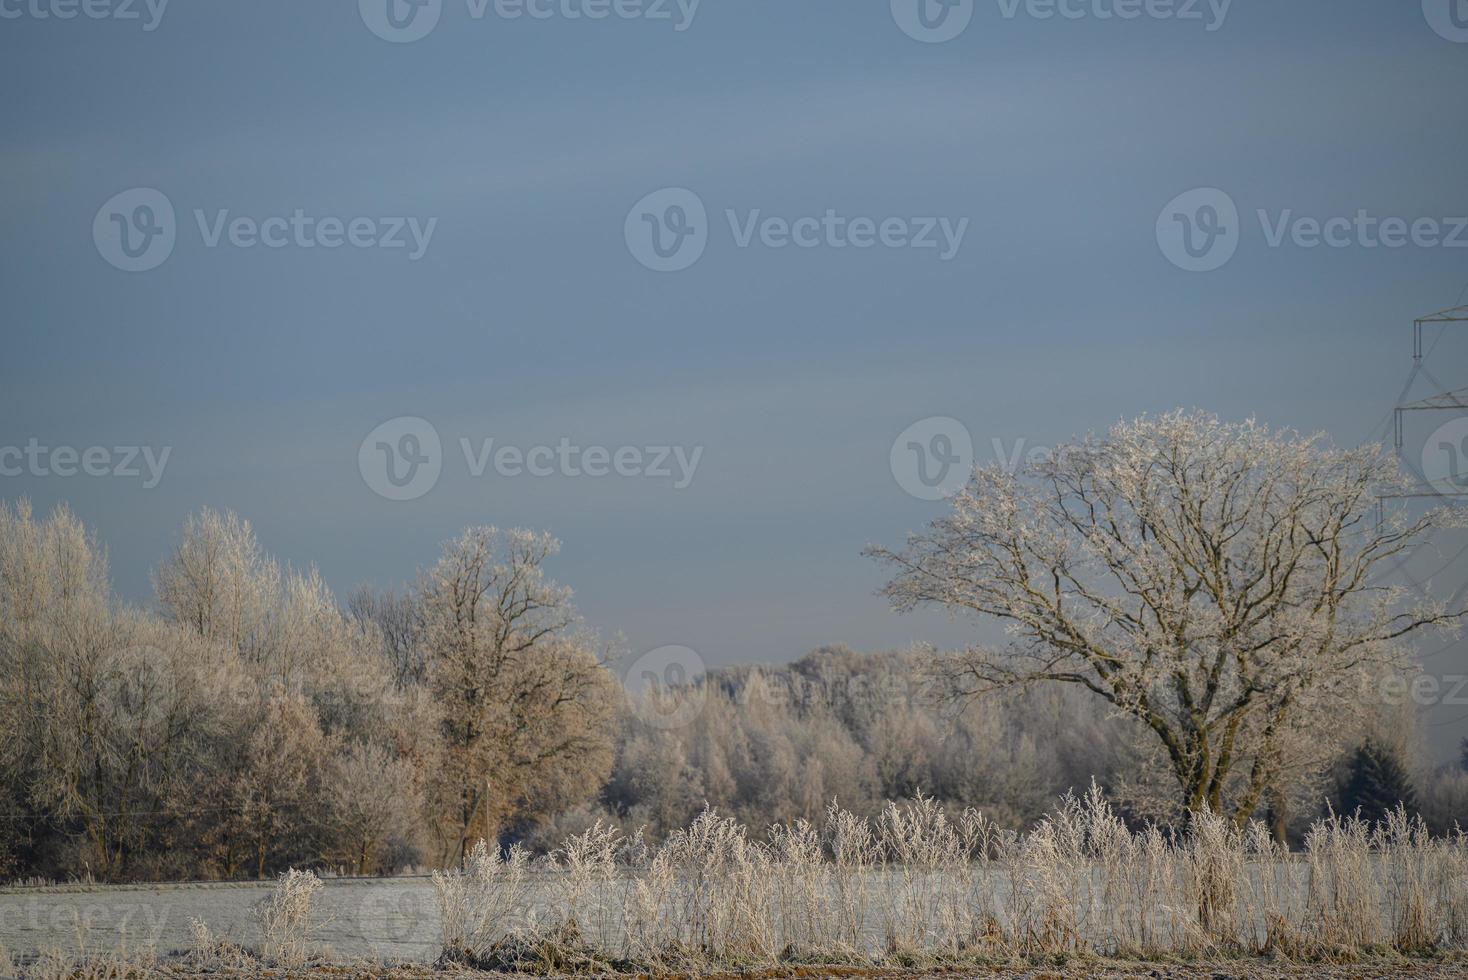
523 144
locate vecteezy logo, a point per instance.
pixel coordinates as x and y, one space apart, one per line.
135 230
138 681
1445 458
394 920
1199 230
1449 18
933 21
667 230
401 459
661 684
932 458
400 21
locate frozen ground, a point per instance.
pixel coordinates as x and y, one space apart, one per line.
1224 970
361 924
395 919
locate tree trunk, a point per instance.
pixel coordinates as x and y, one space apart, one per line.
1279 816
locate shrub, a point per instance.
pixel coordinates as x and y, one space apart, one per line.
285 918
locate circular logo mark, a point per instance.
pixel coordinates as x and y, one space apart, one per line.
135 231
400 21
661 686
393 919
933 21
138 682
1449 18
1199 231
933 458
401 459
1445 458
667 230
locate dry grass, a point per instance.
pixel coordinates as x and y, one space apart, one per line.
484 902
919 886
1419 969
285 918
285 925
916 888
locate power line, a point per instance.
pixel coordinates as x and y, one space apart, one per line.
180 812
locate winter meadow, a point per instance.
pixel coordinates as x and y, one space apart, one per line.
1184 748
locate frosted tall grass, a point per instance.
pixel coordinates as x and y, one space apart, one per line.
483 902
588 866
285 918
921 884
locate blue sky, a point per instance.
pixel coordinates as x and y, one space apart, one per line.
528 320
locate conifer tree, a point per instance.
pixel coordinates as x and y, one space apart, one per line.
1375 783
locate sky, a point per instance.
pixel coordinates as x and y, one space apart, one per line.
1005 221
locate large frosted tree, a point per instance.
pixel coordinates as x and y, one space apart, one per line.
1222 584
528 711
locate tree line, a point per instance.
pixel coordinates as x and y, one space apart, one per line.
249 721
1196 613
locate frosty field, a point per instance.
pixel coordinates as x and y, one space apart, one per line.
395 918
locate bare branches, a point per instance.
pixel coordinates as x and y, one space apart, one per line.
256 725
525 704
1209 579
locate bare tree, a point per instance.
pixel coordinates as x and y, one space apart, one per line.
371 798
219 583
526 705
275 794
399 620
255 725
106 711
1219 583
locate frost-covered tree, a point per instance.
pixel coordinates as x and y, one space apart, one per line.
256 725
371 799
1221 584
107 715
219 583
526 707
399 622
777 743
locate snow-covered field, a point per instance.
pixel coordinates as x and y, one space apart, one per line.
395 918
